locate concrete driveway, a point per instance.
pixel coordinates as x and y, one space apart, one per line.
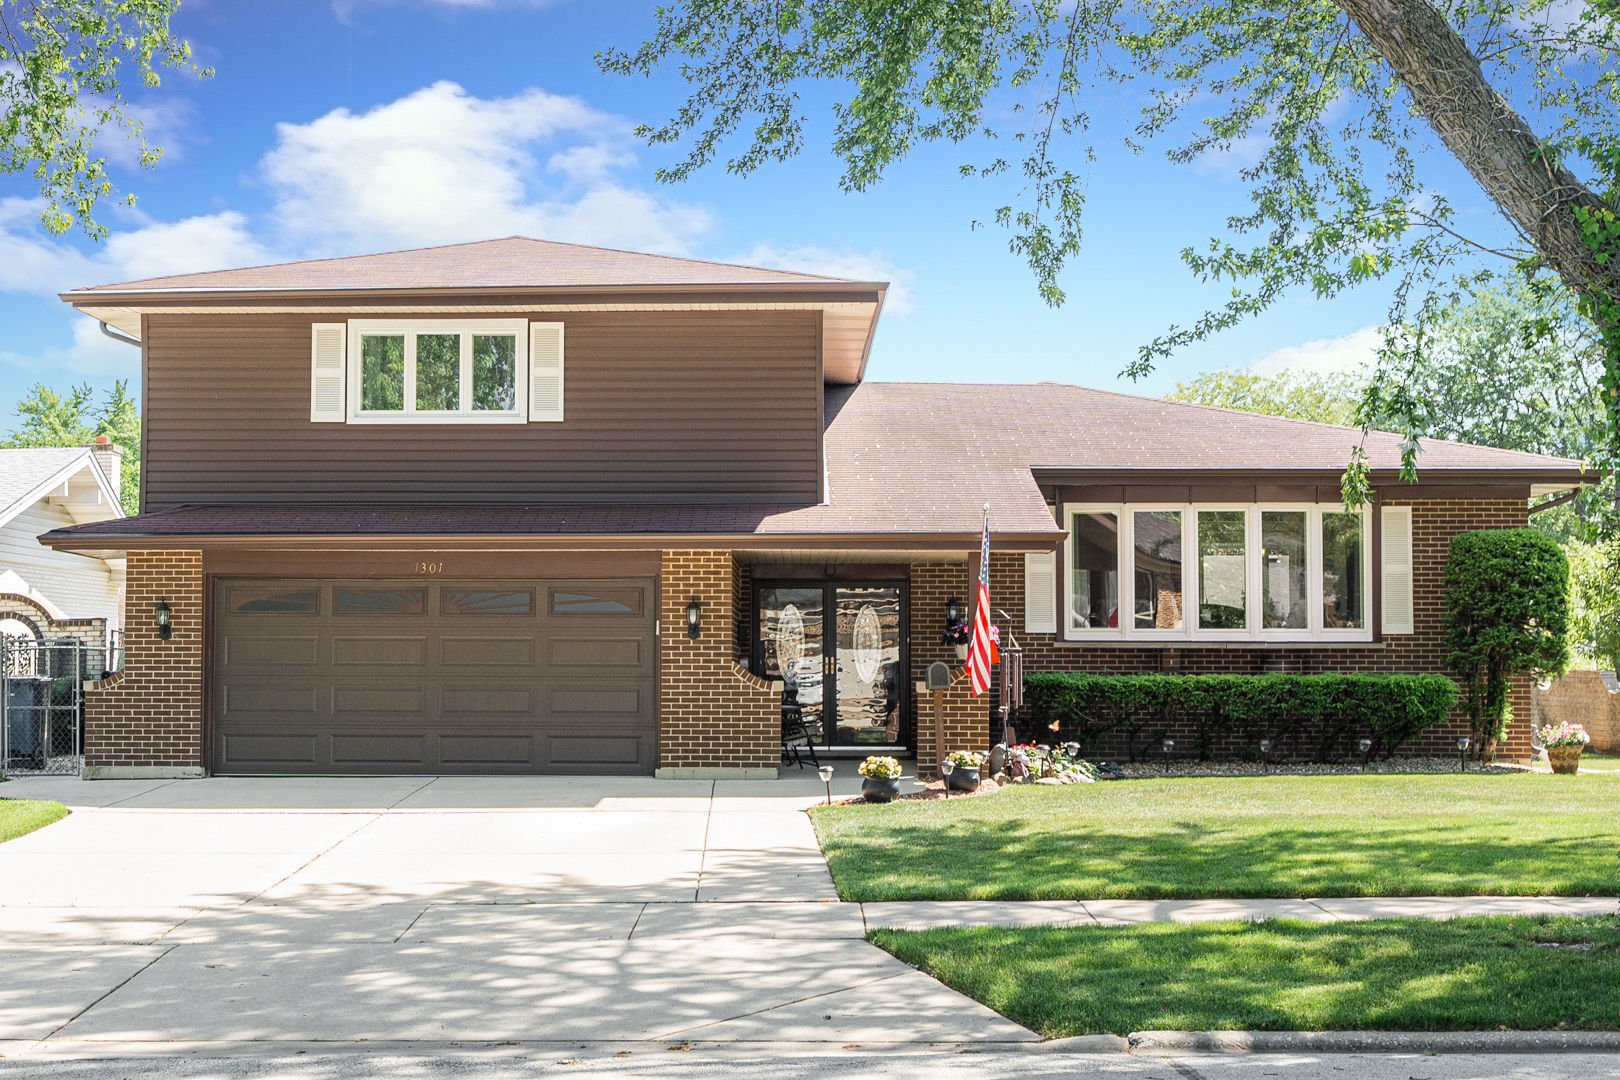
412 909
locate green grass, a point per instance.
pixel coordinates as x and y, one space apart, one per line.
1284 836
19 816
1391 974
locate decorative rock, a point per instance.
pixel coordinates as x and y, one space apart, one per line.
1048 780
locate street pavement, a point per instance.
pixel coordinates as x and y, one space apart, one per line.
661 1063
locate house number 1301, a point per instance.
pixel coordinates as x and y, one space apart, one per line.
430 568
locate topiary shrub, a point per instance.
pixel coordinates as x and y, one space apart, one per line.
1507 614
1320 716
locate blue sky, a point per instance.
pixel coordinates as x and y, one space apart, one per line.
369 125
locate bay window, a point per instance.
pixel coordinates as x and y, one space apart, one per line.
1258 572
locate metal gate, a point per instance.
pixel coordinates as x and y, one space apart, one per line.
41 706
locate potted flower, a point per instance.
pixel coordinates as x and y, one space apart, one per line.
1564 744
880 779
957 634
964 775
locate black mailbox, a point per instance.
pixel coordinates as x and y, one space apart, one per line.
939 676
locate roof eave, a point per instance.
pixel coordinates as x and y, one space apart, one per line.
1010 540
866 290
1573 475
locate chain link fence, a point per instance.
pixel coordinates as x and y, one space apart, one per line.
42 706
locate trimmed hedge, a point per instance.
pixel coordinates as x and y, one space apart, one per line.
1318 716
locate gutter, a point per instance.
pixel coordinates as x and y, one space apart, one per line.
118 335
65 540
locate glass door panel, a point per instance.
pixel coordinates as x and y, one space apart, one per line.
868 678
793 642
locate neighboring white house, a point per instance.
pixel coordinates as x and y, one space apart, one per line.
53 594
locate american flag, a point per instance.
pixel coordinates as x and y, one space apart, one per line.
982 646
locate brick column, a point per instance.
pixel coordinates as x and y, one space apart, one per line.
965 724
146 721
715 720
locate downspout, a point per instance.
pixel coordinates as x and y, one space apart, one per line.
118 335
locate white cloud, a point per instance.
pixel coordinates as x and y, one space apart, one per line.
92 354
838 262
441 166
1348 353
43 265
164 124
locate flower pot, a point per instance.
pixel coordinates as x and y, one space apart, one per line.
1565 759
876 789
962 779
961 651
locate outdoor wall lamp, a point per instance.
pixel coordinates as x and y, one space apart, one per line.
160 617
694 611
953 611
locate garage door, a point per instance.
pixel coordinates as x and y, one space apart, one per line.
434 677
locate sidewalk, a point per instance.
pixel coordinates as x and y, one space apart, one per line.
927 914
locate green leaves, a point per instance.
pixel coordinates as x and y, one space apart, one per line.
1331 148
63 71
1315 713
1325 398
1507 615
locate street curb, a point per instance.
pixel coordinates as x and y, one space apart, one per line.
1080 1044
1374 1042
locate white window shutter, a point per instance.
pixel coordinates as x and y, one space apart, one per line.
1395 545
545 371
1040 592
327 373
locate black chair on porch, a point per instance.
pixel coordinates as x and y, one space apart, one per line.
796 740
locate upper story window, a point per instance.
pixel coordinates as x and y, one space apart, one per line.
1219 572
445 371
471 371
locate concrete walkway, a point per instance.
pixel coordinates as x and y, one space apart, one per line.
926 914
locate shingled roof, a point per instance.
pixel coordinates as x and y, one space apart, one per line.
915 462
509 263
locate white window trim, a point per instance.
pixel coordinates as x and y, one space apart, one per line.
1070 630
1125 568
466 328
1128 543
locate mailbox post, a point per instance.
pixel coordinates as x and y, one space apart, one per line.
938 681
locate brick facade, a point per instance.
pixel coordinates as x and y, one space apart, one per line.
717 719
714 718
962 725
146 720
1434 523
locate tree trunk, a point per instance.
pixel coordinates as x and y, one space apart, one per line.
1484 133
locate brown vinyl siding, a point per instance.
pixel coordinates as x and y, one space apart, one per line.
660 406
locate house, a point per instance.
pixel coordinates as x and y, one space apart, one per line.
50 595
521 506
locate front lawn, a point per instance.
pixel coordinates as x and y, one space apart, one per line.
1283 836
1284 975
19 816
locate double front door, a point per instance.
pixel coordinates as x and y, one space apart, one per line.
839 651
